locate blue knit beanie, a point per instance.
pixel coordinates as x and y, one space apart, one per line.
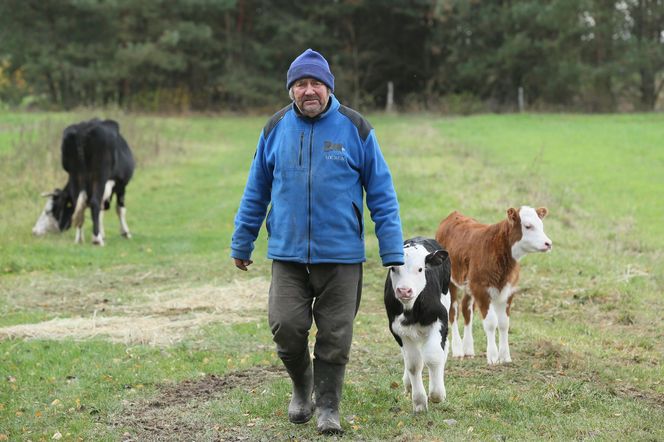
310 64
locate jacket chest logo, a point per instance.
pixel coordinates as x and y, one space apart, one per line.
330 146
333 151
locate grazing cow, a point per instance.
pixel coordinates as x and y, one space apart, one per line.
485 265
99 164
417 300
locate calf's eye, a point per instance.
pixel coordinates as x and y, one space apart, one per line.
420 270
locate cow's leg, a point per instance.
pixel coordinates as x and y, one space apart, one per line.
79 215
95 208
96 197
503 313
435 356
489 321
467 309
414 365
108 192
124 228
457 348
102 234
121 210
105 201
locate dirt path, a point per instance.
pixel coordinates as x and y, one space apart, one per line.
171 414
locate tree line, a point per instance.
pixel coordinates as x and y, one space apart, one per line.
440 55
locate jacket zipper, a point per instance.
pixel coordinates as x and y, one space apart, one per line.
358 217
301 143
311 150
267 221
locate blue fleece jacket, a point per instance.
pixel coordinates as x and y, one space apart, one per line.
313 173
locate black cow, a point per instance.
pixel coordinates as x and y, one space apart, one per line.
99 163
417 300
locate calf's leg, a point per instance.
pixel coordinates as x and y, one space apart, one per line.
489 322
435 356
406 379
414 364
468 342
502 312
457 346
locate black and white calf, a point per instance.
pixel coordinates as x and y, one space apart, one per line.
417 300
99 163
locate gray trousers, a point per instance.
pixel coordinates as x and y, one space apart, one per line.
327 293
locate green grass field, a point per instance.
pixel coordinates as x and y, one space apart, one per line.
161 338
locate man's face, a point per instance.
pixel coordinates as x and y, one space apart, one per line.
310 96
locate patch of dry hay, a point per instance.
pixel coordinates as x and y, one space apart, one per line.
237 297
166 319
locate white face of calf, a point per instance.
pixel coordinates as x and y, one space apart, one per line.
533 238
409 280
46 222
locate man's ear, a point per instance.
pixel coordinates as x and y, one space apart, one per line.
512 215
542 212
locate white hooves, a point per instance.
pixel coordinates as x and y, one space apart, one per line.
420 407
504 358
437 397
457 349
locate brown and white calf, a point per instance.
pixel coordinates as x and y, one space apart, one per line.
485 266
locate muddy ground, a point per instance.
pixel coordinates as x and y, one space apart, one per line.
167 415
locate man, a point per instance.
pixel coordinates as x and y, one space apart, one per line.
314 161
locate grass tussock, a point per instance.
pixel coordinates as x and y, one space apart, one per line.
552 356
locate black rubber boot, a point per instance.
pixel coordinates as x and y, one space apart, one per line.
328 382
301 407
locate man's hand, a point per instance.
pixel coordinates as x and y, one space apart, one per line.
242 264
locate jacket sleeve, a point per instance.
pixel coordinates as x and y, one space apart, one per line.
382 202
253 206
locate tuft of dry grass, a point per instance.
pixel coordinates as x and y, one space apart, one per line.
164 319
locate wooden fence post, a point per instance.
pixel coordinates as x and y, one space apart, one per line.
389 105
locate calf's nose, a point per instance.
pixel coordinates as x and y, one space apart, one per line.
404 292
